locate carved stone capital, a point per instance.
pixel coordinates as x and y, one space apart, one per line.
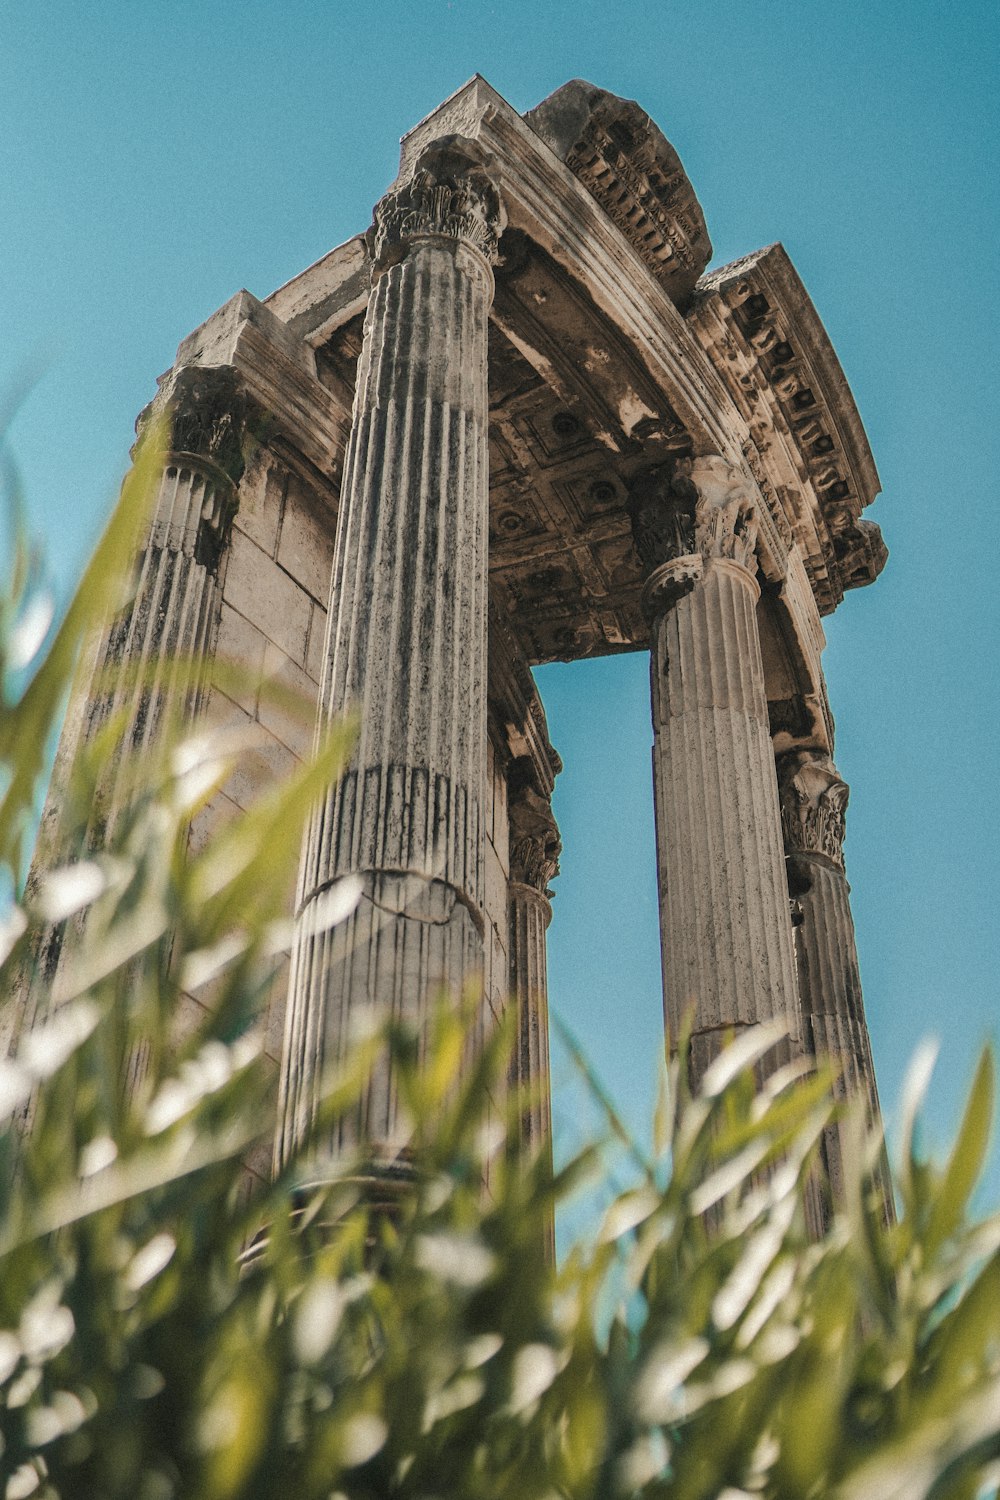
692 508
208 421
535 844
207 416
451 196
726 510
813 804
661 506
670 582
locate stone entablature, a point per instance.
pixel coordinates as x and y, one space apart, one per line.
761 331
581 402
276 372
627 164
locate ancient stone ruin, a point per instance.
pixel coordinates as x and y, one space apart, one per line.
516 422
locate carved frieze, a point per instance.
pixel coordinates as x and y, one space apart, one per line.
450 196
760 330
775 532
625 191
813 807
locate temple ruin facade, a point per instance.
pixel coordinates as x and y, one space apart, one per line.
517 421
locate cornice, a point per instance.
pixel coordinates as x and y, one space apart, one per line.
327 294
629 167
759 327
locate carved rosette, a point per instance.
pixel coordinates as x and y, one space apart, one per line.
688 512
451 196
813 805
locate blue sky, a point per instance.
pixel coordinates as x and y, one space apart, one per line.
156 158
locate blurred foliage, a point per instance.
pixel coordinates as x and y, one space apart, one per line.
696 1345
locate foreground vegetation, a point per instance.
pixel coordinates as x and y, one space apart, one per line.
696 1345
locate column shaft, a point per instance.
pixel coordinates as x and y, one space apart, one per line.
407 651
163 641
530 914
727 944
814 801
728 958
157 649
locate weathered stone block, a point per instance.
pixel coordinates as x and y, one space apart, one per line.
266 596
317 643
240 652
293 726
274 1019
496 889
188 1015
263 763
305 547
206 823
500 836
261 494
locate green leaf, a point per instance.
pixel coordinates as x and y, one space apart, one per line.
967 1156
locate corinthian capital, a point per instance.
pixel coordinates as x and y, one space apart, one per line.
694 508
535 844
726 510
813 804
209 423
207 413
451 196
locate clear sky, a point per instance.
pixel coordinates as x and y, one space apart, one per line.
157 157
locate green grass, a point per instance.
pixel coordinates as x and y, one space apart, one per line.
696 1344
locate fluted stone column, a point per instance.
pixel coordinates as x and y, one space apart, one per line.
161 643
406 647
534 861
165 638
724 919
813 804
